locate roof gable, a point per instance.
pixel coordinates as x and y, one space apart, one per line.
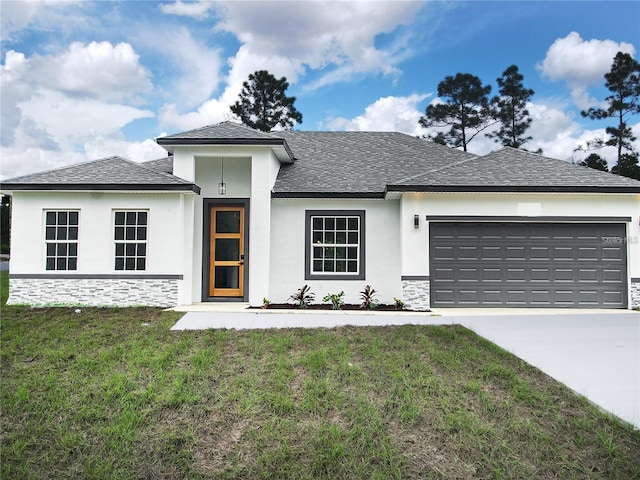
110 173
510 169
229 133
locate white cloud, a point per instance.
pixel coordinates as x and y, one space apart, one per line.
197 10
198 66
390 114
74 120
580 63
211 111
98 69
18 15
54 106
115 144
338 37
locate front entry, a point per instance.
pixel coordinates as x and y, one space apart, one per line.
227 251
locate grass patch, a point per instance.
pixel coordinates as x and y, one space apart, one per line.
101 394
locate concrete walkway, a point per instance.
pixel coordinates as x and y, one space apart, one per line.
596 353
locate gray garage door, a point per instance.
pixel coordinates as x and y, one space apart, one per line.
528 265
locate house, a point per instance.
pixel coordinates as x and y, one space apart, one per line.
234 214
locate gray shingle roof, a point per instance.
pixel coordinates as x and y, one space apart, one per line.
357 163
224 130
111 173
229 133
510 169
164 165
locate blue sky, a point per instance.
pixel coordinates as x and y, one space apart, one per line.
84 80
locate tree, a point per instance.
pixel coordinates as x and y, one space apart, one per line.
595 161
510 109
263 104
627 166
623 81
465 109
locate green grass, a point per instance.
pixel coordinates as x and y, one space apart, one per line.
101 395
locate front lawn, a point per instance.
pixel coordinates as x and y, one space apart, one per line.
112 393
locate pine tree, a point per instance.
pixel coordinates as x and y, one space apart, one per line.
465 109
596 162
263 104
623 81
510 109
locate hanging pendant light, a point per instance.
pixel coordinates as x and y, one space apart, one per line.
222 187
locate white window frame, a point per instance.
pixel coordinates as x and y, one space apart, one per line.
328 236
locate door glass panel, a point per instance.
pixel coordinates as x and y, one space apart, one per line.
226 277
227 249
228 222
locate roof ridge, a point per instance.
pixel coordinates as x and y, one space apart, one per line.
438 169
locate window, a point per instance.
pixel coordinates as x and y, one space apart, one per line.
130 235
334 245
61 238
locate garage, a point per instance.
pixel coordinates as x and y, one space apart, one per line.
518 264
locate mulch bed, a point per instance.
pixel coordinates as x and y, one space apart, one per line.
327 306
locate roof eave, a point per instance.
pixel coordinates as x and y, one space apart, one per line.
284 153
327 195
511 189
92 187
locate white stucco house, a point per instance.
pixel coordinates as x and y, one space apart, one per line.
233 214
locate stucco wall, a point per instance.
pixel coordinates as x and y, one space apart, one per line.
382 243
415 242
249 173
96 248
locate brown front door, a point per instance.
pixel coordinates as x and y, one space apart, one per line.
226 266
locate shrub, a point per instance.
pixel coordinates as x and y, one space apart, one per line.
303 297
368 297
399 304
336 300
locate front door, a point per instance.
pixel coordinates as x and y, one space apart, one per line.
226 266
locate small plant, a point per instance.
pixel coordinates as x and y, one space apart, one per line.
398 304
336 300
265 302
368 297
303 297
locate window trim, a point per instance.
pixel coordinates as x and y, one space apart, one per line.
308 257
56 241
124 241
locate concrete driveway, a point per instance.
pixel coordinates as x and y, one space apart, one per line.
596 353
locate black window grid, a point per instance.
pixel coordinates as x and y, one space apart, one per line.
130 237
61 239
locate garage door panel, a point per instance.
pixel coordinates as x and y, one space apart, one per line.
517 264
587 275
612 298
587 253
443 253
612 253
443 275
612 276
539 253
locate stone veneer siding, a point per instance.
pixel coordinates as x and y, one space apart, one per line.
635 293
95 292
415 293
